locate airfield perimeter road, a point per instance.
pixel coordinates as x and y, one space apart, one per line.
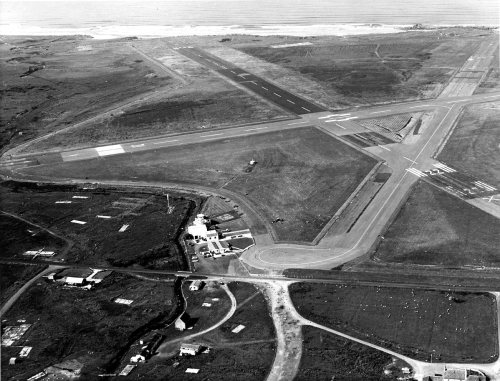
400 157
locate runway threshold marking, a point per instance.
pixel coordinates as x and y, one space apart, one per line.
416 172
166 141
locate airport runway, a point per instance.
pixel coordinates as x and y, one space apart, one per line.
408 162
265 89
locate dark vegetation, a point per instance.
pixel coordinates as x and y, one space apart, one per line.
247 355
84 325
436 228
452 326
303 176
14 276
356 70
326 356
79 78
18 237
151 239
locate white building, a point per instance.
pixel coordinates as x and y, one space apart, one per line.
195 285
198 230
189 349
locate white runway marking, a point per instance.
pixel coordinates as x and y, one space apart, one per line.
378 112
416 172
137 145
277 95
288 100
306 109
291 124
78 222
265 88
166 141
82 197
491 198
73 155
444 167
232 71
387 149
328 116
110 150
413 161
255 129
485 186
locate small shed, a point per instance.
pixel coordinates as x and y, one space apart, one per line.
189 349
196 285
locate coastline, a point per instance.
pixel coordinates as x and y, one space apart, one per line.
145 32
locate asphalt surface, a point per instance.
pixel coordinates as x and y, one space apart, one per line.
260 86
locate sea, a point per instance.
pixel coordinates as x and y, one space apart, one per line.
112 19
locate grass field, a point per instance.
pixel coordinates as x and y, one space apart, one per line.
247 355
13 277
454 327
219 104
150 240
436 228
354 70
77 77
325 356
84 325
302 176
473 145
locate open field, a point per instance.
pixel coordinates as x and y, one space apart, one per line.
247 355
50 82
473 144
117 89
84 325
18 236
325 356
492 80
302 176
149 235
356 70
453 327
13 277
208 105
436 228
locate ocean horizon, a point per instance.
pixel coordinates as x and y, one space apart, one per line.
113 19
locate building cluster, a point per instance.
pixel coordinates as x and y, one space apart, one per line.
454 374
81 278
212 243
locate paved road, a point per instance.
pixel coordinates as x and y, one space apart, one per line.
19 292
